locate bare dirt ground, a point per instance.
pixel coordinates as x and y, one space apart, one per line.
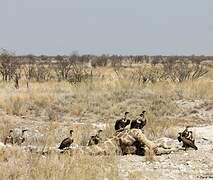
188 164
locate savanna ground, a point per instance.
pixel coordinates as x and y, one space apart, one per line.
50 108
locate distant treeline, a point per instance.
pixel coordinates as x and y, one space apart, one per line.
104 60
78 68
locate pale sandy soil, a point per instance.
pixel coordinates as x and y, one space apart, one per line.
179 165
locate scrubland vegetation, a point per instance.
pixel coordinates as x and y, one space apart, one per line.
50 95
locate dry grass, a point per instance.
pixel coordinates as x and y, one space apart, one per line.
100 97
104 100
54 106
18 165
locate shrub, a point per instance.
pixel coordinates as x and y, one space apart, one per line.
181 71
99 61
78 74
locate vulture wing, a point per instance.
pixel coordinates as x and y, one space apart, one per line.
65 143
127 122
117 124
189 143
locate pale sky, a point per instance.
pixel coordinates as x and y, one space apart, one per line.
126 27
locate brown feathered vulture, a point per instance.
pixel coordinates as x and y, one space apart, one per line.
66 142
95 139
9 139
139 123
21 139
120 124
186 142
187 134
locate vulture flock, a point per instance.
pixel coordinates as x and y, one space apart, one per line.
186 137
11 139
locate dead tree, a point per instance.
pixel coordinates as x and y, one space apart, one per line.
182 70
42 72
7 67
10 68
62 68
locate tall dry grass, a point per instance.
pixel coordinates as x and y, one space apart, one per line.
18 165
53 108
103 100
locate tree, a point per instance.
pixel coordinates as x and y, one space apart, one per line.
8 65
62 67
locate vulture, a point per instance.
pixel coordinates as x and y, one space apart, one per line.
21 139
9 139
95 139
120 124
186 142
139 123
187 134
66 142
